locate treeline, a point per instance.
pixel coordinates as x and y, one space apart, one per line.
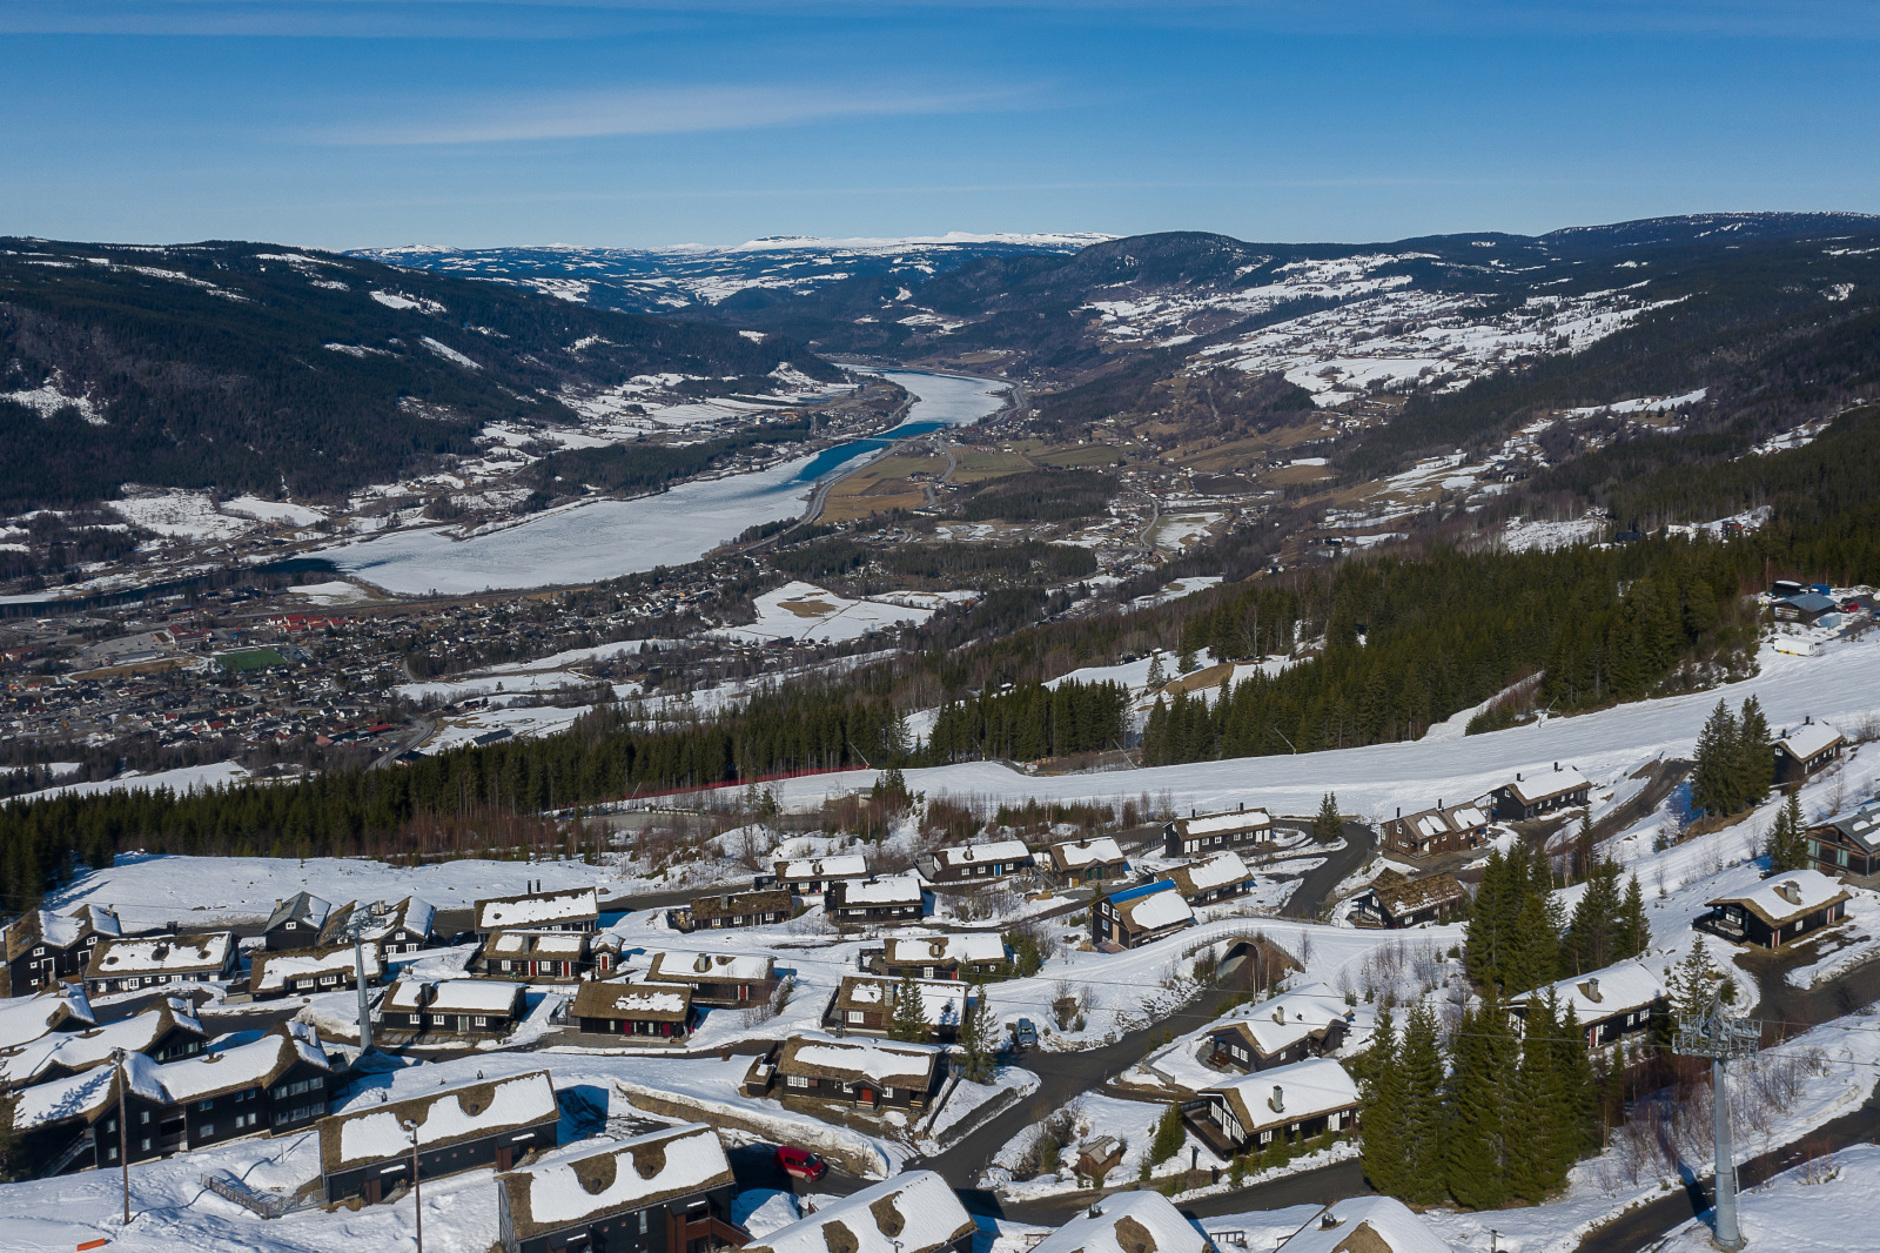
605 756
1497 1115
1518 941
1030 722
1409 641
640 466
946 563
1041 496
1648 480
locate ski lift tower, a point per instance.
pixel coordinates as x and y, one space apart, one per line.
356 928
1722 1038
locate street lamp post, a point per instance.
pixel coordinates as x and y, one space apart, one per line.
417 1188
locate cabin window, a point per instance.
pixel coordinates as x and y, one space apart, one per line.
856 1016
796 1081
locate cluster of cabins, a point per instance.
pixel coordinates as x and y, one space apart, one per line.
854 896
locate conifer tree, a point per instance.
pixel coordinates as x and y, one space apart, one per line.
1157 674
1534 956
1424 1123
1573 1064
1788 842
978 1035
1714 778
1534 1162
1635 935
1481 1123
1383 1148
1693 982
1593 939
1169 1134
908 1021
1328 827
1755 754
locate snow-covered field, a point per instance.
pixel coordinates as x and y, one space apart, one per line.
803 611
604 539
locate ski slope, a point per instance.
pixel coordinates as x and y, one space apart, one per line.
1842 686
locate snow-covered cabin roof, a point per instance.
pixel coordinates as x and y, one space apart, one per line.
642 1002
915 1212
885 1065
411 915
90 1092
1367 1224
1225 823
1210 873
302 907
162 954
1533 787
1808 739
554 944
679 967
1787 896
473 996
1860 824
1615 989
899 889
1153 906
255 1064
1082 854
619 1178
27 1018
1286 1094
271 971
808 869
502 913
81 1050
980 854
942 1001
1128 1222
444 1116
968 946
1281 1021
42 926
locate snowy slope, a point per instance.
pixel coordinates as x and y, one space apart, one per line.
1842 686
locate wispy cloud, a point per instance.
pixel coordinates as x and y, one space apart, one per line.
666 110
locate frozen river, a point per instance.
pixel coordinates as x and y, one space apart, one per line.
604 539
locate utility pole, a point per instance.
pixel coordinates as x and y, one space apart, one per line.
356 928
417 1188
124 1132
1721 1037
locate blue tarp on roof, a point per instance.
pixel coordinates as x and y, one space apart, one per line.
1147 889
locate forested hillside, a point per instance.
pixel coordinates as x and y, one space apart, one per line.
251 367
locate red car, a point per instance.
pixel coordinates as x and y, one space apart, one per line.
801 1163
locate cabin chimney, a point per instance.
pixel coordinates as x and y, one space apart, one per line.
1592 989
1556 767
1328 1221
1278 1100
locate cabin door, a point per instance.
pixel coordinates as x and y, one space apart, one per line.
374 1193
505 1157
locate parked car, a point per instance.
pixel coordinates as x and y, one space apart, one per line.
801 1163
1024 1034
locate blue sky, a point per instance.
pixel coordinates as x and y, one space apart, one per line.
344 123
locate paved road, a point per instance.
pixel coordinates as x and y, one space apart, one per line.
1309 898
